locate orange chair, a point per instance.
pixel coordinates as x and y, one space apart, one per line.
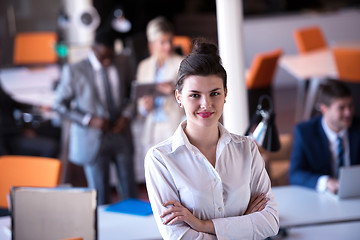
260 76
27 171
34 48
310 38
262 69
347 61
184 42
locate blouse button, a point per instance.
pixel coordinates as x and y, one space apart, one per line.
220 209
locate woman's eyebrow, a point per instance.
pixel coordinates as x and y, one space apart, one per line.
196 91
215 89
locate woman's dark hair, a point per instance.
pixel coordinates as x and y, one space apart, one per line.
203 60
331 90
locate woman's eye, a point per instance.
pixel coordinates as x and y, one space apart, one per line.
194 95
215 94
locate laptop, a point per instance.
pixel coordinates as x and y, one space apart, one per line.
349 179
53 213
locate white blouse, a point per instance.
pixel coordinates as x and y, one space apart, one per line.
176 170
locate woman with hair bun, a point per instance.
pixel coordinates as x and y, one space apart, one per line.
205 182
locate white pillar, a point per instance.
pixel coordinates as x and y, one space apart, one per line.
229 25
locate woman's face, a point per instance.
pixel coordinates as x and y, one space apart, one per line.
203 99
162 46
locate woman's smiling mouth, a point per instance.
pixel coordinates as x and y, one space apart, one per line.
205 114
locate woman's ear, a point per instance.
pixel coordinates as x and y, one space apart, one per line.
178 96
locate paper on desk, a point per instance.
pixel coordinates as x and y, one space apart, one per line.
131 206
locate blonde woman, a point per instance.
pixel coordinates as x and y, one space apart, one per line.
161 113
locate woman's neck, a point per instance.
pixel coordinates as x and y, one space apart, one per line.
202 137
160 61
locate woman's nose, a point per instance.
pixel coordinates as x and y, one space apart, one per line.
205 102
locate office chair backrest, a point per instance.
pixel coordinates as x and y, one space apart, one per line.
35 48
347 61
262 69
27 171
184 42
308 39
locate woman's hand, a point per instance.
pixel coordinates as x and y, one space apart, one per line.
165 88
257 203
147 102
175 212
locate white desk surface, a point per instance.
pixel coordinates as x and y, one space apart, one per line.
33 86
316 64
111 226
114 226
343 231
298 209
299 206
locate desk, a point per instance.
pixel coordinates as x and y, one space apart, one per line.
314 66
114 226
111 226
32 86
298 208
343 231
301 207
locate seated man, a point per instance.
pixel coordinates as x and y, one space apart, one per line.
325 143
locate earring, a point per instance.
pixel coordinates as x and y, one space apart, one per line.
180 105
225 101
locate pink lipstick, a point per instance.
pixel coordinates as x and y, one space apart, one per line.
205 114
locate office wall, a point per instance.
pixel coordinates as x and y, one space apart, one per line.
263 34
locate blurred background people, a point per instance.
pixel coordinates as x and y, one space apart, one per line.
326 142
94 95
160 114
29 136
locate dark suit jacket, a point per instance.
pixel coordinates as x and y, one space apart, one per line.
311 157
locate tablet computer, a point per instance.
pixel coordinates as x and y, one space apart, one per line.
139 90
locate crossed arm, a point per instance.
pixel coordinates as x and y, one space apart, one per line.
175 212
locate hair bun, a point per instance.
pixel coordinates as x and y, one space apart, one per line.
202 46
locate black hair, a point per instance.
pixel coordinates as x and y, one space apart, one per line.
203 60
331 90
105 36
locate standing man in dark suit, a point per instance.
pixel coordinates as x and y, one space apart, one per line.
325 143
94 95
